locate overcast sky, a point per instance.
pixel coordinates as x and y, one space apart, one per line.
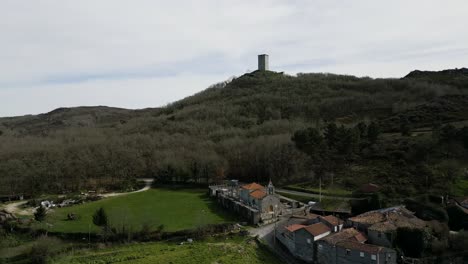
138 53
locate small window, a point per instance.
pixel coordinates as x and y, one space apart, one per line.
361 254
348 252
373 257
308 241
320 247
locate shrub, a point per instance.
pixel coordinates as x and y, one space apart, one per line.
45 248
40 214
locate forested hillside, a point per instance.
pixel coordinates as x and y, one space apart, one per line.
389 131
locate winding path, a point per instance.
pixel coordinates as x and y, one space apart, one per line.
16 207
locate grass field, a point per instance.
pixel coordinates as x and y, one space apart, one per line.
460 188
175 209
222 250
309 187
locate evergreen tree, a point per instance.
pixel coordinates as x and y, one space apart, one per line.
40 213
405 126
373 132
100 218
331 134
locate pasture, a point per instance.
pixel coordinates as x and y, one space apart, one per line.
175 209
213 250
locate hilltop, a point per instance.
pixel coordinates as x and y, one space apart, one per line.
241 128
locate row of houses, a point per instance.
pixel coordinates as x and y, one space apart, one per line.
323 239
366 238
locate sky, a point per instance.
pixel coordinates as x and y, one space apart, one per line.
148 53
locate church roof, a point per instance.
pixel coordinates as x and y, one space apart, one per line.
258 194
253 186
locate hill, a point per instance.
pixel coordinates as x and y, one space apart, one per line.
454 77
242 129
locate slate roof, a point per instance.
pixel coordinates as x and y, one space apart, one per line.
348 244
253 186
317 229
258 194
294 227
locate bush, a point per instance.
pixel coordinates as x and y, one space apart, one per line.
40 214
45 248
410 241
459 241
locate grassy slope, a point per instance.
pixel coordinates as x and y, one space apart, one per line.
176 210
234 250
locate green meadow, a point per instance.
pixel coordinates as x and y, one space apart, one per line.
213 250
175 209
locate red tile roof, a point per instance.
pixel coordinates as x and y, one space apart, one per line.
317 229
332 220
253 186
294 227
258 194
348 233
360 237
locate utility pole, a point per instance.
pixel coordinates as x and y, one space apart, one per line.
320 189
89 235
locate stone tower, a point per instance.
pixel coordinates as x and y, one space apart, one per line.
263 63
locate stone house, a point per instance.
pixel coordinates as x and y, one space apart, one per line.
381 226
326 247
299 239
348 247
299 234
351 252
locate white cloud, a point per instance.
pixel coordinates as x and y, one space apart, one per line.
94 45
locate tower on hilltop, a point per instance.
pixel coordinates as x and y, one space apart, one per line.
263 63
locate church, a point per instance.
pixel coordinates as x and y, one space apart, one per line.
255 202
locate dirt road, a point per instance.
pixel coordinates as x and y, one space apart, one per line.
16 207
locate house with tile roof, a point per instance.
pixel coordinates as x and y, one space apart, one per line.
351 252
299 239
348 246
333 222
299 233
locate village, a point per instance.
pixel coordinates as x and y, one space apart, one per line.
370 237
